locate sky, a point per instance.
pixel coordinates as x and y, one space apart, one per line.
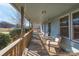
9 14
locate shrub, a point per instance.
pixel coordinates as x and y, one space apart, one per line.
26 30
4 40
15 33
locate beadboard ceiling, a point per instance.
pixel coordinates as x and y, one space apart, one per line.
40 12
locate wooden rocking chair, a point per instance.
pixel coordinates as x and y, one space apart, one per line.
56 44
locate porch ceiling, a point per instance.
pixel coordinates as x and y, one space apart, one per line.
41 12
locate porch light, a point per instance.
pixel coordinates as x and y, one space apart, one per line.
43 12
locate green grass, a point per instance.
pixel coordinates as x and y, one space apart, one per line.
5 32
6 29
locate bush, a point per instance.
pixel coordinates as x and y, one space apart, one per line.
15 33
26 30
4 40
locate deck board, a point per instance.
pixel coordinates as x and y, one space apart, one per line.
36 45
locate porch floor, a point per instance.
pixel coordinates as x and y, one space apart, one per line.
37 46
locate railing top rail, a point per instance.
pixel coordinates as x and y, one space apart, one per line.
7 48
27 33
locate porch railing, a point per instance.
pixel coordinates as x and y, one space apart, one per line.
16 48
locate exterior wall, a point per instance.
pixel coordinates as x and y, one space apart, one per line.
55 27
67 44
70 45
45 29
42 27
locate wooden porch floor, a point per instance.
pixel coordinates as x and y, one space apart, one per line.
37 46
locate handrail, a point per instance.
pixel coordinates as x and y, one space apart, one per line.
16 48
3 51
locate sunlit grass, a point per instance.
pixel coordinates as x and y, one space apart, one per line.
5 30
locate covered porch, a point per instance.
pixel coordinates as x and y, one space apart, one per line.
51 19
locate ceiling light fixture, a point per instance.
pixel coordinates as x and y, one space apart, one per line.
43 11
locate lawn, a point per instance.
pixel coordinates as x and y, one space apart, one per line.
5 30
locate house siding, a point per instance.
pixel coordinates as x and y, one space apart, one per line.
67 44
55 27
70 45
45 29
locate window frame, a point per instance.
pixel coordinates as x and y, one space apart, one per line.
72 28
68 14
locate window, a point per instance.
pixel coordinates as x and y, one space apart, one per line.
64 26
75 25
